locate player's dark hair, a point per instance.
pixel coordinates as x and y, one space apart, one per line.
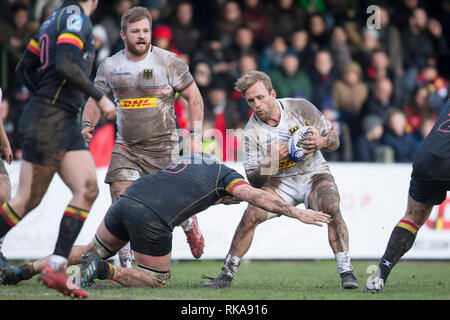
133 15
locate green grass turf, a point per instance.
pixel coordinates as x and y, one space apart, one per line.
267 280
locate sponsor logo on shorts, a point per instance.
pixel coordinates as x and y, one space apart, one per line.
285 163
138 103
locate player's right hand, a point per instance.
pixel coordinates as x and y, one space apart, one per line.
88 133
108 108
280 149
314 217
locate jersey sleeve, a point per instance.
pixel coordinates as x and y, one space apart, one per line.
101 78
231 179
179 75
74 28
33 46
314 118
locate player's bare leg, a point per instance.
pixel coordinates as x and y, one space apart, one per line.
401 240
125 254
240 244
325 197
77 170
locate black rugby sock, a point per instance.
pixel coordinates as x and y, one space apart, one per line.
401 240
69 228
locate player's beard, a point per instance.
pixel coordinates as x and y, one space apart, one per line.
131 47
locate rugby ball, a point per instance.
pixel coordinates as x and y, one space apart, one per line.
296 151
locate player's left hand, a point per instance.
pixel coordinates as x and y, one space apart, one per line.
313 143
7 153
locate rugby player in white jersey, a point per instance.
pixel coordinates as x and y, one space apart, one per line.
143 80
267 166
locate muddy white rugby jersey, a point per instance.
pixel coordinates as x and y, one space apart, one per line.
294 112
144 93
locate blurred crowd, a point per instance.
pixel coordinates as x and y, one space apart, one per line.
381 80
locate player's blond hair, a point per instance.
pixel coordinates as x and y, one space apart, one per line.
133 15
252 77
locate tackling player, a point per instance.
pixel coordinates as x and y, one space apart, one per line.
143 80
63 52
267 166
430 181
147 212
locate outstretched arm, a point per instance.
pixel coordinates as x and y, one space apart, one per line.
269 202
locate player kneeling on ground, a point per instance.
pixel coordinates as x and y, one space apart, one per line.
147 212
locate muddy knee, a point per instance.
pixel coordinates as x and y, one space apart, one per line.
90 191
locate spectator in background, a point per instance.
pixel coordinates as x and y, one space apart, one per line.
243 43
38 9
313 6
368 146
349 95
229 21
396 137
285 17
423 44
202 74
403 11
185 33
154 8
391 42
162 37
272 55
111 23
437 85
368 46
15 33
213 53
102 49
247 62
380 101
318 34
340 48
299 42
255 17
417 109
289 81
322 79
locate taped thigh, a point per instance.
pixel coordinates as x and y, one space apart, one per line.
101 249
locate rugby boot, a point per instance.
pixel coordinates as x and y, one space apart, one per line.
195 239
59 280
222 281
375 283
89 269
349 280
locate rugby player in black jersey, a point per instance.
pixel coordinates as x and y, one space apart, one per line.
148 211
56 66
430 181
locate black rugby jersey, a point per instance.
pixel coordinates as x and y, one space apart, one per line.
186 186
67 25
432 159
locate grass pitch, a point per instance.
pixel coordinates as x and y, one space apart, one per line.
267 280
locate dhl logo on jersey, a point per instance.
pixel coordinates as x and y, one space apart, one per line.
285 163
140 103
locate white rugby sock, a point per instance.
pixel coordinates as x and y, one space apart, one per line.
343 262
57 262
231 265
